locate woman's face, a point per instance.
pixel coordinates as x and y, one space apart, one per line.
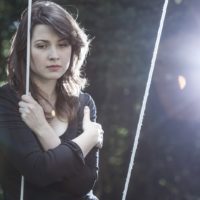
50 54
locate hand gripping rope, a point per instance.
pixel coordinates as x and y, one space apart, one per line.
27 73
144 102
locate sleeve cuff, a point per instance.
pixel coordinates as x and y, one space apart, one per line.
76 150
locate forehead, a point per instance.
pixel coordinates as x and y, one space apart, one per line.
44 32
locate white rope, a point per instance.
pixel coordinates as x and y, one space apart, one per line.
27 73
28 46
139 125
22 188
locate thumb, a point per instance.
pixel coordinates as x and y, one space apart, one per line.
86 116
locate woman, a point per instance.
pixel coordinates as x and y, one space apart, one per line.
49 136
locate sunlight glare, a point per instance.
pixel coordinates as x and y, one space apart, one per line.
181 82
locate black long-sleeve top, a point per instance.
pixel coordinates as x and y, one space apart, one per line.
61 173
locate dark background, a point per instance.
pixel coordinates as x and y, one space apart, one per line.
168 156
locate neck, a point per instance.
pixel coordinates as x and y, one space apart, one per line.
47 88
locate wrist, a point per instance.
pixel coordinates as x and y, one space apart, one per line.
47 136
40 130
86 141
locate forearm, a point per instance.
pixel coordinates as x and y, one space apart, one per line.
50 140
86 142
47 137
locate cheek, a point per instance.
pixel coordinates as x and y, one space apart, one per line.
68 53
67 56
36 58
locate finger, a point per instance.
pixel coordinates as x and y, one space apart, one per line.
22 110
22 104
100 143
86 116
99 126
25 110
23 116
27 98
25 105
101 131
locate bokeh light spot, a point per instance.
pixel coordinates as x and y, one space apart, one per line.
181 82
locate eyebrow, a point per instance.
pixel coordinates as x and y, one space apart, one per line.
40 40
47 41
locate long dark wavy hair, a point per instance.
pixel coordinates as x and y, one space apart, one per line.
70 84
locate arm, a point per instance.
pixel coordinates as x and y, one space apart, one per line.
86 140
33 115
87 177
91 131
21 148
47 137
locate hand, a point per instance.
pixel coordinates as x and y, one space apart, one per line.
92 128
32 113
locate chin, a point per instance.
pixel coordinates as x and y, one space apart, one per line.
54 76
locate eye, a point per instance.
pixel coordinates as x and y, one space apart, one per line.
41 46
65 44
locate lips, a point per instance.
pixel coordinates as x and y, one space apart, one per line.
54 67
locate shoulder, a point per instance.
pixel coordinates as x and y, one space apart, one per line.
6 89
85 99
8 94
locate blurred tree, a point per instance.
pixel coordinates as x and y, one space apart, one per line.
9 14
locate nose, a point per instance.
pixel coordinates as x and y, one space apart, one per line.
53 54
